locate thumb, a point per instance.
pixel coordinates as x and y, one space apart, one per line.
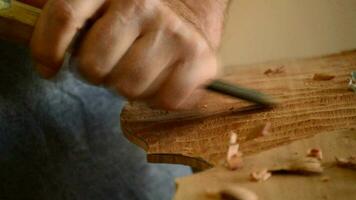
35 3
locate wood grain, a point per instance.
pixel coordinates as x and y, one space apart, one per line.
199 137
341 184
17 22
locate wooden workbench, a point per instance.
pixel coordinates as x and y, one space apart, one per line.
334 183
312 114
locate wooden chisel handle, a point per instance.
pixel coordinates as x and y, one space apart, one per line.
17 22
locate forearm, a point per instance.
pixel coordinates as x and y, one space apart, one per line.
207 16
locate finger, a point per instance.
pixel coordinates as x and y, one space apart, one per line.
185 80
35 3
142 70
59 21
105 44
193 101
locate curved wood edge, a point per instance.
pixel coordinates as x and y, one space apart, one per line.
179 159
132 138
195 163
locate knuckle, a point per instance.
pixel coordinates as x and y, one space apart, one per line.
91 70
138 7
173 96
173 25
191 43
46 57
167 103
196 46
146 5
167 16
142 3
127 90
131 81
61 12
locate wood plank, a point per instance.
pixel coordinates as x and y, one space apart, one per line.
341 184
198 138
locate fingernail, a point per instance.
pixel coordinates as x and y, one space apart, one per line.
44 71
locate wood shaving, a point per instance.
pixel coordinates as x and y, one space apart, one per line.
260 131
352 82
259 176
278 70
268 72
237 193
322 77
234 157
308 165
265 129
233 138
341 161
325 179
346 162
235 162
316 153
233 146
231 192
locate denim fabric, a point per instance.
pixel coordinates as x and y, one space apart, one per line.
61 139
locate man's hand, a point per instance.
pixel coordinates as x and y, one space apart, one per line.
160 51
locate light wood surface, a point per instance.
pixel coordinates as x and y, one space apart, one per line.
341 184
258 31
198 138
